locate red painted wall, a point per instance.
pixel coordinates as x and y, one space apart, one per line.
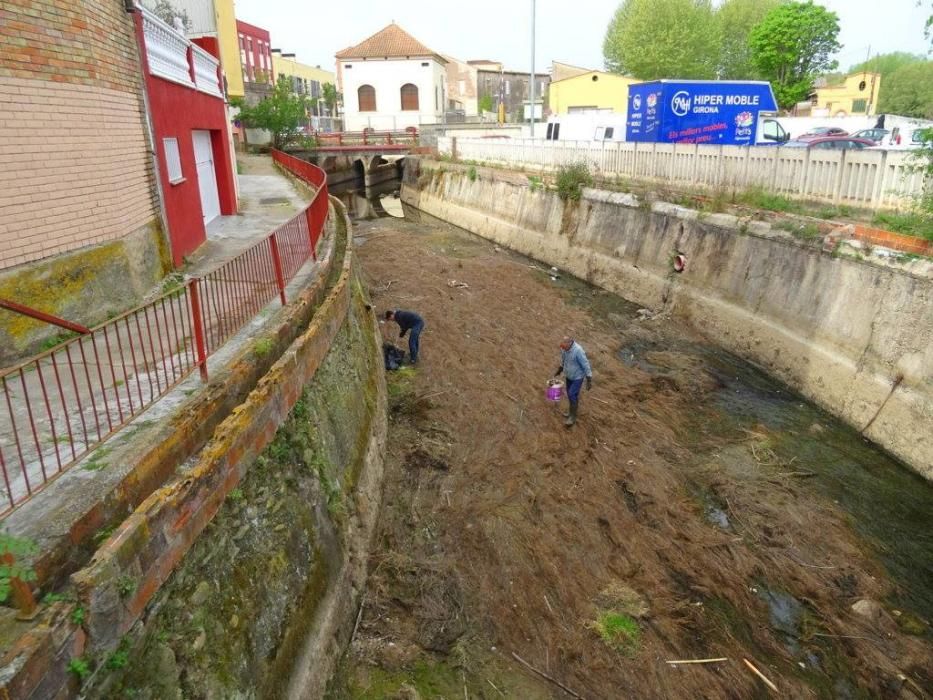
209 44
176 112
261 44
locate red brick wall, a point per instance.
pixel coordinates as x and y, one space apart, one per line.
74 163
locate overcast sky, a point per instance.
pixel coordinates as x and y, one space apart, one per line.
500 29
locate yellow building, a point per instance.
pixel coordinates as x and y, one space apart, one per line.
590 90
306 80
228 44
858 94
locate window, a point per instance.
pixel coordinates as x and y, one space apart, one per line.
173 161
859 105
409 98
461 84
367 98
508 87
550 132
556 131
610 130
249 53
600 133
425 64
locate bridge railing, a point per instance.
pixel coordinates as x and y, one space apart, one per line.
370 137
58 406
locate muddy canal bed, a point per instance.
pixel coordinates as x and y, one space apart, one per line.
699 509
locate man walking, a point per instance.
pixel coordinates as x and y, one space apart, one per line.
408 321
576 368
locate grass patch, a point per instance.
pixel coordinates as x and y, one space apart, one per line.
471 173
804 230
535 183
571 179
618 631
762 199
912 223
96 461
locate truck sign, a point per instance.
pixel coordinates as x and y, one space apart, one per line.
698 111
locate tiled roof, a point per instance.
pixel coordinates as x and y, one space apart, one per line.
391 42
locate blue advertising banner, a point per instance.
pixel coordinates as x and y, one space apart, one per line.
697 111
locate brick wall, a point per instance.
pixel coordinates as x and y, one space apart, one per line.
74 162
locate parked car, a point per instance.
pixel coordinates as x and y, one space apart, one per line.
831 142
819 131
879 136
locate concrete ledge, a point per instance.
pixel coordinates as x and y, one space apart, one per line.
150 543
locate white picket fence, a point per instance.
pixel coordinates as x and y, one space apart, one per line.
870 178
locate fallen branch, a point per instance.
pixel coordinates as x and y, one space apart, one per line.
494 687
601 401
762 676
359 616
698 661
546 676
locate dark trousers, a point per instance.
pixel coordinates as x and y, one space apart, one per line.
414 341
573 389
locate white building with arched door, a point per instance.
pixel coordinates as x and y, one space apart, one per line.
391 81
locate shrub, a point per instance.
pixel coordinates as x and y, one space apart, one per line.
571 179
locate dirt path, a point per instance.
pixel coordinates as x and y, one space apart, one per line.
654 530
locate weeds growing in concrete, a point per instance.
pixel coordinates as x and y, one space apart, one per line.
471 173
912 223
78 615
762 199
126 585
15 549
535 183
80 667
263 347
571 179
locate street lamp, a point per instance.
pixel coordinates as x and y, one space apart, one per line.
532 75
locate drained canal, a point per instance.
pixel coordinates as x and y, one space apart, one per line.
748 520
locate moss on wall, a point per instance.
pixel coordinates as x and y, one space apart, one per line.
86 286
233 617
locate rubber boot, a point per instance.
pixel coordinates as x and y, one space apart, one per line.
572 416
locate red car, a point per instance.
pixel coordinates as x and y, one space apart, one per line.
820 131
831 142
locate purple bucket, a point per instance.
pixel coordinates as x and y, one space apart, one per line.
555 390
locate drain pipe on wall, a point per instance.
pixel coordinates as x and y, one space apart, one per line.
897 382
132 10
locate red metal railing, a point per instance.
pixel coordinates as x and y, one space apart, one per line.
370 137
58 406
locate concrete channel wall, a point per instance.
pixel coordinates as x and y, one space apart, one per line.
854 336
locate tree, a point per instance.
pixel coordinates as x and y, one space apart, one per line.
281 113
651 39
792 45
331 98
886 63
736 20
909 91
485 104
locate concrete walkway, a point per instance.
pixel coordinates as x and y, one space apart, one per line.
103 381
267 199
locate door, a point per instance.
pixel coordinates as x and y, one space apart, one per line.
207 176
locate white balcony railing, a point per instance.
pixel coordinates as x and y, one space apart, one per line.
172 56
166 50
205 71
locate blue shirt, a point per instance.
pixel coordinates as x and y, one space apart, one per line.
575 364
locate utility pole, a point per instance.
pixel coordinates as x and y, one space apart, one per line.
532 76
